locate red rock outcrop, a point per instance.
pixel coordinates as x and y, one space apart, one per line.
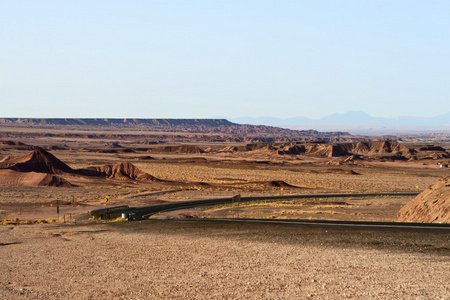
177 149
120 171
345 149
14 178
40 168
39 161
430 206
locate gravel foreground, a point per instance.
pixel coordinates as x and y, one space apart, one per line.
159 259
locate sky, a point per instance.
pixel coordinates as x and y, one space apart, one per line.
200 59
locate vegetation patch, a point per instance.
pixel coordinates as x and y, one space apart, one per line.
17 221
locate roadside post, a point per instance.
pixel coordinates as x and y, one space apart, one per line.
232 207
237 199
57 211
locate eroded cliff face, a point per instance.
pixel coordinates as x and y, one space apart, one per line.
205 129
430 206
387 150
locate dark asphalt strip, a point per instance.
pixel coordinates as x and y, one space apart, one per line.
342 223
147 211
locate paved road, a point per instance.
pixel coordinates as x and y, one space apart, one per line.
143 212
343 223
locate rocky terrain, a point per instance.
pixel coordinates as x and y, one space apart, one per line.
431 206
41 168
50 173
121 170
221 260
381 150
28 169
159 130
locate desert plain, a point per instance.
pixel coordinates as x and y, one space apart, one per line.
52 176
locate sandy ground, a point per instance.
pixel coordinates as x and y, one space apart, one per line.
167 259
378 209
204 260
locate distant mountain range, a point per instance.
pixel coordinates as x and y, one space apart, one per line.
354 119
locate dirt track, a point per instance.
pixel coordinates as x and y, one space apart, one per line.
201 260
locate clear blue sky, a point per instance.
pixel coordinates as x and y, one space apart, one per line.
198 59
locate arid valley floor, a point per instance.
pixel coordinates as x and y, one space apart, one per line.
186 255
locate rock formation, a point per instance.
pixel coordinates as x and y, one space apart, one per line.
430 206
39 161
41 168
120 171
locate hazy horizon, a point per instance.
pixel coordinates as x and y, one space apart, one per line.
174 59
227 117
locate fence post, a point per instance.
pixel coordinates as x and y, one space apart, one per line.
232 207
238 201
